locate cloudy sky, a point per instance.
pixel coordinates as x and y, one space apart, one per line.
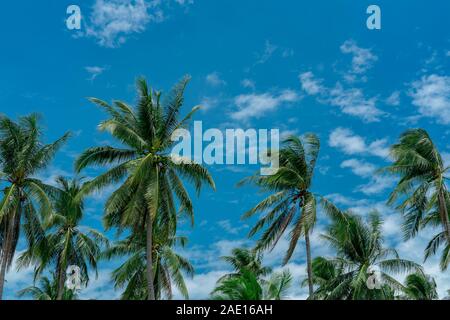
297 66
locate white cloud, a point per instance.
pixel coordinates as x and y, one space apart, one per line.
310 84
209 103
94 71
431 94
111 22
362 59
351 101
213 79
360 168
377 183
269 50
393 99
228 227
248 83
258 105
352 144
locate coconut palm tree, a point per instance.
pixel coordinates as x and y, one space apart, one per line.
24 203
360 259
248 281
169 266
292 203
48 290
244 259
247 286
150 178
419 286
67 242
422 192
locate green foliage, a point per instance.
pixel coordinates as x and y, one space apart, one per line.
421 192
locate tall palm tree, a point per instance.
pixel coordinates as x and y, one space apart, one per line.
48 290
150 178
293 203
422 191
169 266
419 286
24 203
360 251
67 242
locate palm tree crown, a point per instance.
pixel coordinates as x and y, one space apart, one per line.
293 203
25 202
422 189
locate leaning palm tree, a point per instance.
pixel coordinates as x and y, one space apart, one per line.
151 179
422 191
292 202
363 268
24 203
48 290
169 266
67 243
419 286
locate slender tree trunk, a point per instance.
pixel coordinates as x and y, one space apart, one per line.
309 265
6 253
61 283
150 285
444 213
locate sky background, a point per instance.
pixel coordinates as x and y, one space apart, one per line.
297 66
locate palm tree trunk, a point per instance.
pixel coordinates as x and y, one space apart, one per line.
150 285
9 229
61 283
309 265
444 213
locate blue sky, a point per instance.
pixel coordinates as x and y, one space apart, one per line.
298 66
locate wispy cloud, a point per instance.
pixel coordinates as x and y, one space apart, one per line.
94 72
377 183
111 22
269 50
258 105
362 60
351 101
431 94
353 144
213 79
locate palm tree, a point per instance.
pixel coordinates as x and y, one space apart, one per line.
68 243
360 254
248 279
244 259
150 177
22 156
293 202
419 286
422 191
247 286
48 290
168 265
